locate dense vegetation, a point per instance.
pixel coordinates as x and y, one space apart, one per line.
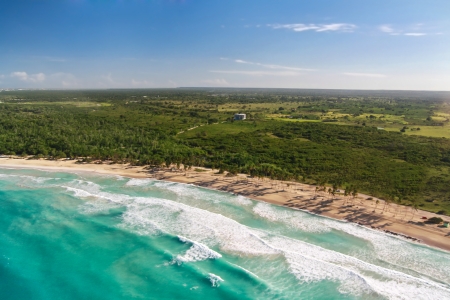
324 137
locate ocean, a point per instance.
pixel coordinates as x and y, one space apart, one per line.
89 236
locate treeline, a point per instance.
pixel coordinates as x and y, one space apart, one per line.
414 149
384 164
260 154
47 132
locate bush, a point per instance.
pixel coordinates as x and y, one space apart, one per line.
435 220
442 212
60 154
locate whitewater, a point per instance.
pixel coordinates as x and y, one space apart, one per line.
90 236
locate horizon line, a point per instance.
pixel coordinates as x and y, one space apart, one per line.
213 87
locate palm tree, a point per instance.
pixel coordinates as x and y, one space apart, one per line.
354 194
397 202
376 204
347 193
386 203
335 186
414 207
405 210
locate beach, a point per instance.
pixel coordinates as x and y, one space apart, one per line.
363 209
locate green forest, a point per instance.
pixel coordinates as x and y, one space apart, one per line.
393 145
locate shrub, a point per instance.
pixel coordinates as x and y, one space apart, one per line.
435 220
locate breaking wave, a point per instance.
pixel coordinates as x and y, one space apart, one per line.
257 240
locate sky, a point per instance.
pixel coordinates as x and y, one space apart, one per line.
327 44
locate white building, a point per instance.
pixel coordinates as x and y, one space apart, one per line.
239 117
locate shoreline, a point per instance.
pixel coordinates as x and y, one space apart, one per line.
398 220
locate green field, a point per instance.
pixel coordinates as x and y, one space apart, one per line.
66 103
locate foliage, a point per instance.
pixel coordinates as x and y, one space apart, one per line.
324 141
435 220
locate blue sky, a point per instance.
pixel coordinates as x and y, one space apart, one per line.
345 44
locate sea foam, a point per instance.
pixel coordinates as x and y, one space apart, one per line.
215 280
197 252
307 262
392 250
139 182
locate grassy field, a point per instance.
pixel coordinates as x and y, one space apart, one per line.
430 131
386 121
222 128
71 103
258 107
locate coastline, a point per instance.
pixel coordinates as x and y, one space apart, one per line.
397 220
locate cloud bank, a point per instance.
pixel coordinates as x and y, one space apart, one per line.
39 77
299 27
269 66
364 75
416 30
258 73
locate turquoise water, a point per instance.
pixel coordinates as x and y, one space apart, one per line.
84 236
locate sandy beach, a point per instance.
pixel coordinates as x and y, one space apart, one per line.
397 220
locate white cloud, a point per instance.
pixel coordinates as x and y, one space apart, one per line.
172 83
259 73
337 27
299 27
365 75
108 78
415 34
39 77
2 76
141 83
240 61
282 70
295 27
215 82
415 30
386 28
65 80
21 75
